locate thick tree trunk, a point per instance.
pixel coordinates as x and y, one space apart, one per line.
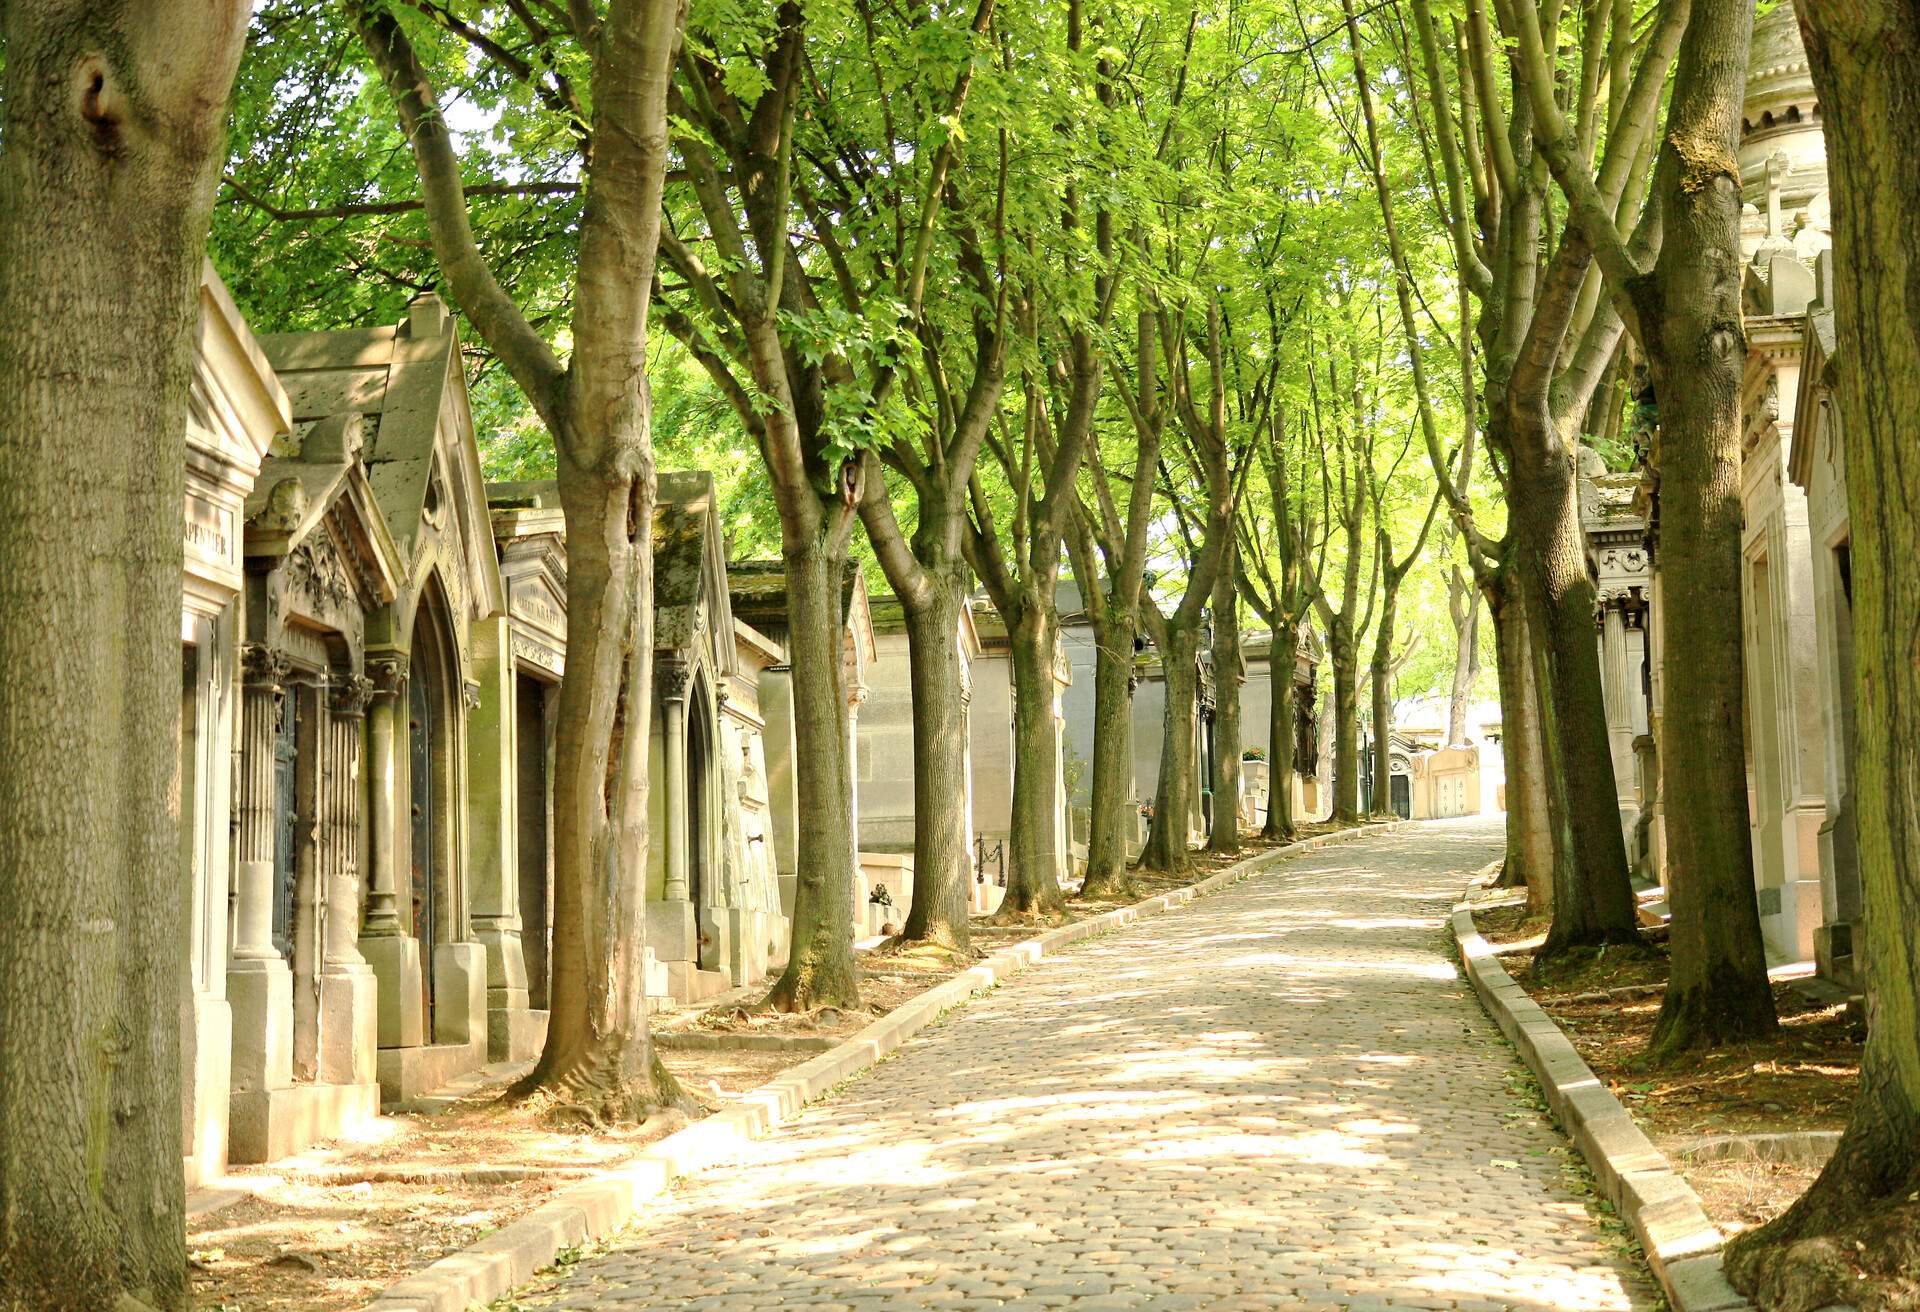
1593 897
820 969
1172 796
1346 726
113 128
1282 657
1033 881
1110 814
1717 991
598 1062
1530 854
941 790
1860 1218
1224 830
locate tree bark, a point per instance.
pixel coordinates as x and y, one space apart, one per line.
1593 901
820 968
942 865
1530 852
1111 794
1464 607
1166 848
114 128
1689 315
1854 1231
1033 880
1380 685
1283 657
1224 831
1345 663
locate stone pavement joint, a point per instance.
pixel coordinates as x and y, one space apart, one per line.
1280 1097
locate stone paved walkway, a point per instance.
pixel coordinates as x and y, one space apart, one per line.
1281 1097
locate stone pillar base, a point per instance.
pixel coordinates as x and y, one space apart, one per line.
460 993
672 932
260 993
1833 954
269 1124
395 959
515 1033
207 1080
349 1024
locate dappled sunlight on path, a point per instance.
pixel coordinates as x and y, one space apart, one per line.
1282 1097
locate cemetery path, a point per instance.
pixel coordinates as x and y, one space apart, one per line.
1280 1097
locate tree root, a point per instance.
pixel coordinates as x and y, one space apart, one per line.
1825 1254
1107 888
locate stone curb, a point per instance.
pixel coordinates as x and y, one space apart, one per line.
605 1204
1658 1205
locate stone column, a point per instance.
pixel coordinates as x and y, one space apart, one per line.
349 992
672 924
387 942
1620 688
259 982
672 680
388 675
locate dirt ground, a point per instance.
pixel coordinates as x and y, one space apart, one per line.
331 1228
1801 1079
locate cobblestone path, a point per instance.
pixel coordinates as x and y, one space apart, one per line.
1280 1097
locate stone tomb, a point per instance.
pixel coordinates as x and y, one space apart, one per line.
406 383
1817 465
235 410
522 656
714 913
320 561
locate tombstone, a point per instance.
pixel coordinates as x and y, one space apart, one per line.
407 383
237 408
522 656
320 561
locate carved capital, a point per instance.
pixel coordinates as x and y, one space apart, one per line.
470 692
351 693
670 678
263 666
387 672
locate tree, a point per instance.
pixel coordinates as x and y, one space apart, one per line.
1850 1239
1281 594
1463 608
957 389
1216 459
1684 309
1342 423
112 124
598 1059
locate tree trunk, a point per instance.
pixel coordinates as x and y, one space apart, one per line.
820 969
1111 797
113 124
598 1061
1346 725
1466 656
1530 855
941 789
1167 835
1593 899
1033 881
1860 1217
1283 657
1717 991
1380 672
1224 830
